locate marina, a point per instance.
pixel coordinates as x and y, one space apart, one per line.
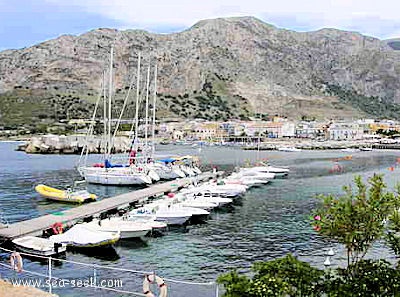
37 225
266 222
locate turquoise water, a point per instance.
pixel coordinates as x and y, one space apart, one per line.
268 222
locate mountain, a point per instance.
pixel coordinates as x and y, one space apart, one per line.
394 43
218 69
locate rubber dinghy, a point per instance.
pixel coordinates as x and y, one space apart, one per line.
80 236
65 195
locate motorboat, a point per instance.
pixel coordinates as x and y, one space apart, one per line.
208 196
165 171
188 165
221 190
81 236
39 246
350 150
197 203
181 206
170 216
245 180
269 169
127 228
256 174
187 170
197 170
146 219
288 149
68 195
231 190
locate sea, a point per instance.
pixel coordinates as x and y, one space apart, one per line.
266 223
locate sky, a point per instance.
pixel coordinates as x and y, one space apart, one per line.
26 22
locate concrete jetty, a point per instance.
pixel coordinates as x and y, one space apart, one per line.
36 226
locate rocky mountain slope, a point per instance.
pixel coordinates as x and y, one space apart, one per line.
217 69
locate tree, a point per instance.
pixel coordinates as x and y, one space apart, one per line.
392 235
356 219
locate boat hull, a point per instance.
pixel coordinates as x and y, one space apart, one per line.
173 220
117 179
47 253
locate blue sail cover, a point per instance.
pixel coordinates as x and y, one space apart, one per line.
107 164
167 160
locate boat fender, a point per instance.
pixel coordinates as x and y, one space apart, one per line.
57 228
149 279
16 262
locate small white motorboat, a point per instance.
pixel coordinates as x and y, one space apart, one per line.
170 216
188 170
256 174
350 150
288 149
219 190
245 180
210 197
193 203
127 229
149 219
80 236
39 246
196 169
268 168
166 171
194 211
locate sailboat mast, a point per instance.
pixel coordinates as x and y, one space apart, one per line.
137 105
105 148
154 112
109 101
146 122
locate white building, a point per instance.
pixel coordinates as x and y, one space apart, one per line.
345 131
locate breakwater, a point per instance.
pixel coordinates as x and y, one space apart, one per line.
72 144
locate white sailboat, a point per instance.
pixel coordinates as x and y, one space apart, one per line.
108 173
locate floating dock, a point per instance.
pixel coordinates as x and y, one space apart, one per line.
36 226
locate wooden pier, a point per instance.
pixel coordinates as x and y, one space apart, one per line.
36 226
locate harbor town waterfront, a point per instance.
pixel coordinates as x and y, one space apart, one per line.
266 223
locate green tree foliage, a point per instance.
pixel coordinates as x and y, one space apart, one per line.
371 278
235 285
281 277
355 219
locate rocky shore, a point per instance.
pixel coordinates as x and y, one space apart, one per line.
71 144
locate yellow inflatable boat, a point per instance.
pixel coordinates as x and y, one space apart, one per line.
65 195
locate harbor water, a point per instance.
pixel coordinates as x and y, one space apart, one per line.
268 222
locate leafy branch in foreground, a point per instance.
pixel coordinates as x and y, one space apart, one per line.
357 218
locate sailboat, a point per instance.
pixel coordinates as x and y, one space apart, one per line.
165 168
107 173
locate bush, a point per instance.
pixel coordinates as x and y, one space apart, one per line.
281 277
366 278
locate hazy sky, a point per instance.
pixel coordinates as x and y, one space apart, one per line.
26 22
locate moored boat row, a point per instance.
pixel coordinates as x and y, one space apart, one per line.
192 203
